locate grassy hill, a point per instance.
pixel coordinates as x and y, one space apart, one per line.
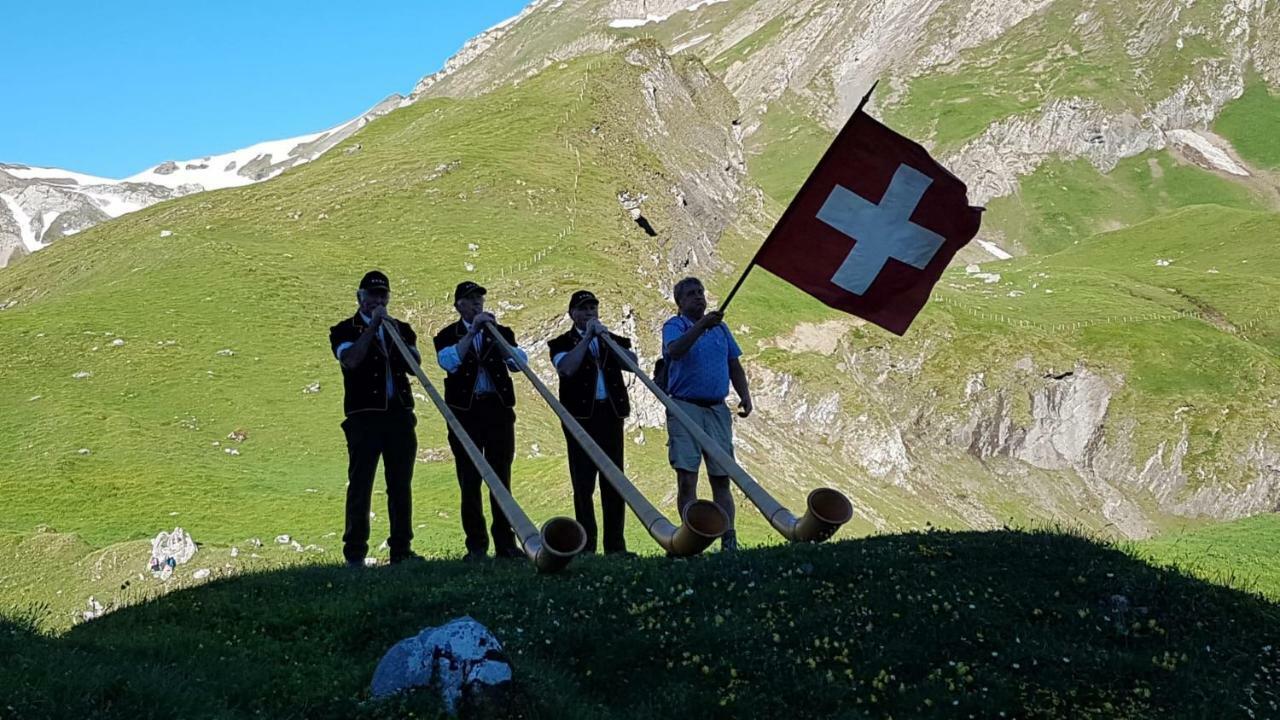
1037 625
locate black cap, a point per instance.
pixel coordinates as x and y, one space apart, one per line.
375 280
466 288
581 297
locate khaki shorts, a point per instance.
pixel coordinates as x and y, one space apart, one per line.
683 451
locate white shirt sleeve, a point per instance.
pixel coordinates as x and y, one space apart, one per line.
341 349
524 359
448 359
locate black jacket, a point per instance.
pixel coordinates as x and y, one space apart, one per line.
459 386
578 391
365 386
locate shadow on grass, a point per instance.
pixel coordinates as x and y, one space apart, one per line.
1032 625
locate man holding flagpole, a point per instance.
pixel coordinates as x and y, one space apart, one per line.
702 360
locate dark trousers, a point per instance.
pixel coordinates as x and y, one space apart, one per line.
606 429
492 427
390 435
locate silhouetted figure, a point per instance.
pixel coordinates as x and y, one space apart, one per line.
380 422
479 391
701 361
592 389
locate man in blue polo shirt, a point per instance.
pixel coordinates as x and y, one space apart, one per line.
702 360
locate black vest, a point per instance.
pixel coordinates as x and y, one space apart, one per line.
578 391
365 386
460 385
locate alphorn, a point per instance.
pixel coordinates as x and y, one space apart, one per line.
560 539
826 511
703 520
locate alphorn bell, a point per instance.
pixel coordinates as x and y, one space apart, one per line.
827 509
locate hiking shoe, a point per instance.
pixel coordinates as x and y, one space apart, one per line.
510 554
475 556
622 554
729 542
409 556
355 564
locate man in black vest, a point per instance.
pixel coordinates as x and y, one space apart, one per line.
479 391
591 388
378 403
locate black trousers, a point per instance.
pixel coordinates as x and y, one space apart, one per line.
606 429
492 426
390 435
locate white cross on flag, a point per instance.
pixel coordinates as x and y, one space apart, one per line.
873 227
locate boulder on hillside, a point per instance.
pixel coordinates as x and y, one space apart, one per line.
462 658
169 550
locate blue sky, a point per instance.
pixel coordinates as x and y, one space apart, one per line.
111 88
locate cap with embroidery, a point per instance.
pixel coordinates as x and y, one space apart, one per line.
375 280
582 297
467 288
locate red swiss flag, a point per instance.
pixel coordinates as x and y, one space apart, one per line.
873 227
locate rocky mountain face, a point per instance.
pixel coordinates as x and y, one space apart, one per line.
40 205
1054 79
823 55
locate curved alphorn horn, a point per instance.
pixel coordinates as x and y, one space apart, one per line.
560 538
827 509
704 521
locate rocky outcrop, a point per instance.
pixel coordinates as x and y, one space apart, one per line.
994 163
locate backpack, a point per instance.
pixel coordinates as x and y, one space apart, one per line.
660 373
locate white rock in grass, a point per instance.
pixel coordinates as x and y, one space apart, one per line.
95 610
118 342
283 539
461 658
82 375
225 352
166 233
231 451
311 389
170 549
235 552
83 451
201 574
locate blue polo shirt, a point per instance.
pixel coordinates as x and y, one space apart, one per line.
703 372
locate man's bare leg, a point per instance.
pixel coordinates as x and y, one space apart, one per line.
686 490
724 498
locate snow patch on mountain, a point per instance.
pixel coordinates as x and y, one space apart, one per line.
27 232
42 199
996 251
27 172
640 22
228 170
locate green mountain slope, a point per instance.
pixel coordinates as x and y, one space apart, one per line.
223 301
